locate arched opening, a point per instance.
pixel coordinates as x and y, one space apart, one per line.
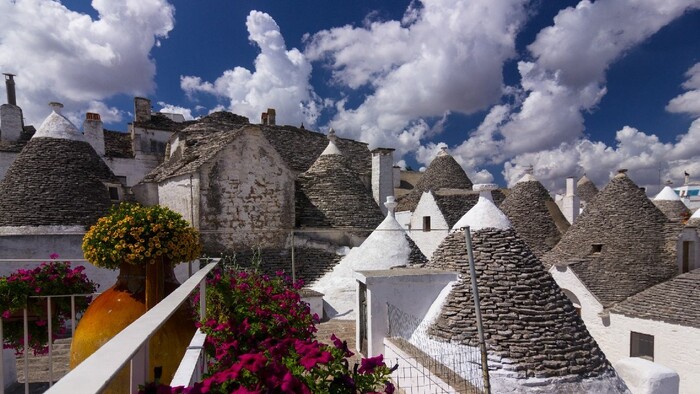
574 300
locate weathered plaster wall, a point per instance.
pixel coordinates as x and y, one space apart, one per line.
6 158
676 347
247 196
181 194
428 241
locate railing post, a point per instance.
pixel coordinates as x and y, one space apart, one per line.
48 313
72 315
2 360
139 367
26 351
294 270
203 299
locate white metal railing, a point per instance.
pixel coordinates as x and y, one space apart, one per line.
131 344
194 364
49 318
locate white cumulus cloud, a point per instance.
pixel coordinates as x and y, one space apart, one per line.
62 55
280 79
444 56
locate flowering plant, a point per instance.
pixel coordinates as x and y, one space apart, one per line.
50 278
260 338
134 234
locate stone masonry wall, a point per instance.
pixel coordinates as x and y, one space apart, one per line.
247 196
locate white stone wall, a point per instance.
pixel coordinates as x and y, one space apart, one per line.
94 135
590 307
247 195
382 176
428 241
10 122
181 194
404 219
413 293
676 347
133 169
142 137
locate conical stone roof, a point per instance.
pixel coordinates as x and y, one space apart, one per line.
531 328
671 205
57 179
619 245
586 189
534 215
331 194
443 172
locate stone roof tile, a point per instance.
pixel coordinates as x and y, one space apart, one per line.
55 182
335 196
586 189
529 323
443 172
675 301
620 245
118 144
534 215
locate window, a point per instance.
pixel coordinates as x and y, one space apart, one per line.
426 223
596 248
642 345
113 193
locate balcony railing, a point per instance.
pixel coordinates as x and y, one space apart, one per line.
131 344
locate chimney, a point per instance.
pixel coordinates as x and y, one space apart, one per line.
10 86
382 176
571 206
263 118
94 132
271 117
485 189
397 176
142 109
687 178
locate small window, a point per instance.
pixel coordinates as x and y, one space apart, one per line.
426 223
596 248
113 193
642 345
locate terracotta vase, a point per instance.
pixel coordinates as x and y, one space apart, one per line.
138 289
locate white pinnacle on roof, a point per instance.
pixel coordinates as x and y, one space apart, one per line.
57 126
484 214
332 148
667 194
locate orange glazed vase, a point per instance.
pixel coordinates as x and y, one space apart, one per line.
137 290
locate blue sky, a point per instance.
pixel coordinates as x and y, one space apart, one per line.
566 86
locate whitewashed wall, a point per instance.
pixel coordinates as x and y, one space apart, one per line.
133 169
181 194
676 347
590 307
404 219
411 290
428 241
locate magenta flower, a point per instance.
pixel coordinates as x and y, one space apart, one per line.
371 363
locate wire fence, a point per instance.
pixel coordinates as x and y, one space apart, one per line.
427 365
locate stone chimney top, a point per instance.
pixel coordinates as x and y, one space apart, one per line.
530 170
92 116
56 107
10 87
390 205
443 151
622 171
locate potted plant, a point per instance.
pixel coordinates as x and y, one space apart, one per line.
144 243
22 289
